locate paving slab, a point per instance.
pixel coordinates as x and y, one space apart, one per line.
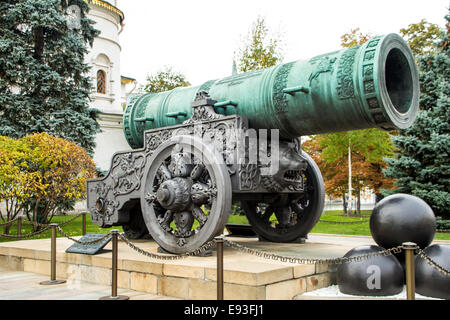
246 276
19 285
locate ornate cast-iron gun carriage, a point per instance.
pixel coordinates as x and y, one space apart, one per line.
194 148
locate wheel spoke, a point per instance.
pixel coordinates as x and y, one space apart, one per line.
284 216
297 208
268 213
165 220
178 184
297 213
198 214
163 173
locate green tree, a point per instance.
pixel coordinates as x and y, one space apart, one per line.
44 82
41 175
367 149
421 165
260 49
421 37
164 80
16 183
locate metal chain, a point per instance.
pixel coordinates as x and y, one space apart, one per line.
432 263
36 224
82 242
69 220
344 222
7 223
25 235
46 224
198 251
291 259
233 245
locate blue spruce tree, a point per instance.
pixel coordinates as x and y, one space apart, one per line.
44 82
421 166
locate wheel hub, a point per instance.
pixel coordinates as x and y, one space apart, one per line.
174 194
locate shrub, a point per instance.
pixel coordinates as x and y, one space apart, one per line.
42 175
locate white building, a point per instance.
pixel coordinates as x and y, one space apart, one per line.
110 88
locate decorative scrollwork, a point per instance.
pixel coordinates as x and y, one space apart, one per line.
279 98
203 113
126 172
250 177
345 87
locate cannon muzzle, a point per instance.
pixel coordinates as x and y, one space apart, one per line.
372 85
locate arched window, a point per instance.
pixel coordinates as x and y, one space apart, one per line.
101 81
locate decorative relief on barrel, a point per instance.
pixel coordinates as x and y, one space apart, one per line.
368 70
280 82
369 83
373 103
369 55
345 87
325 65
369 86
140 112
126 120
206 86
238 79
374 42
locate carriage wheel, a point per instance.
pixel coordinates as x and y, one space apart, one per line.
289 217
187 194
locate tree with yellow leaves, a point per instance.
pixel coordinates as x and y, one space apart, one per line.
41 175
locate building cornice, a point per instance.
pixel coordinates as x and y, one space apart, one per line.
107 6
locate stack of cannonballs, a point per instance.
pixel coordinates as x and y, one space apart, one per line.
395 220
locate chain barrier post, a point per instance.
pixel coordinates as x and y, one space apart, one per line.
19 226
115 247
219 242
409 248
53 280
84 223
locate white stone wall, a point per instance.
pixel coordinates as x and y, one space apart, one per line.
105 55
110 140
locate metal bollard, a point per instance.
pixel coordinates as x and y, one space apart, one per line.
114 296
219 242
19 226
83 223
53 260
409 248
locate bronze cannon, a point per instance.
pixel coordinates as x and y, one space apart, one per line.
196 150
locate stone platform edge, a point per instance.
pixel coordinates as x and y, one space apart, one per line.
191 282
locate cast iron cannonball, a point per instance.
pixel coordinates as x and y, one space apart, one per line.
375 276
402 218
431 282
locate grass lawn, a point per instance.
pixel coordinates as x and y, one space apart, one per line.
360 229
74 228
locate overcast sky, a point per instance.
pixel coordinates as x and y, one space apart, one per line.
198 37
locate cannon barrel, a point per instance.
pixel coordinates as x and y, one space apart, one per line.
372 85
